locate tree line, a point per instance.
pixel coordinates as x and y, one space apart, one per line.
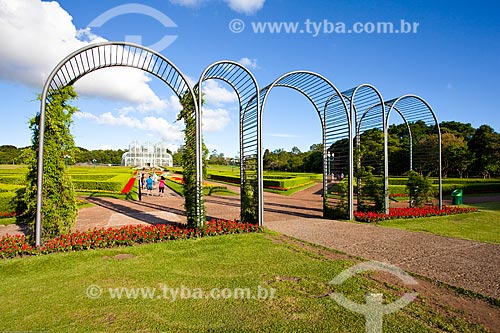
12 155
466 152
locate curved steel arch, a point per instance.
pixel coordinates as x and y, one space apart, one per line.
415 107
246 87
318 90
111 54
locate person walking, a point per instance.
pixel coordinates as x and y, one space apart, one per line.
149 185
161 186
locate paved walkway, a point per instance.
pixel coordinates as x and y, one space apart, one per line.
470 265
467 264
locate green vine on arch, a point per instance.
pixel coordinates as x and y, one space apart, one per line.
194 206
59 209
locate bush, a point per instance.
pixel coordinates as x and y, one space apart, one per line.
419 188
7 203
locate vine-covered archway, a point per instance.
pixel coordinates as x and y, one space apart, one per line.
245 85
117 54
318 90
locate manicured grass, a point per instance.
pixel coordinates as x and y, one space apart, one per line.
7 220
483 226
48 293
292 190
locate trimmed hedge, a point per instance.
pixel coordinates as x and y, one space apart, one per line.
92 185
12 180
6 202
473 188
281 183
95 177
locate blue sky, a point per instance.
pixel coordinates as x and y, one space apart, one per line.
452 60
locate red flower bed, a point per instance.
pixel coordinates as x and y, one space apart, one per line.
178 180
7 214
414 212
279 188
12 246
128 186
394 195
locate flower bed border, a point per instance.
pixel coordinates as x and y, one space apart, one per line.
414 212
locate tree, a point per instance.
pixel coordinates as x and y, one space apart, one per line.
59 209
459 129
8 154
455 154
485 145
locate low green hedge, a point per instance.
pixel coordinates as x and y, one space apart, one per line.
12 180
95 177
92 185
282 183
6 202
473 188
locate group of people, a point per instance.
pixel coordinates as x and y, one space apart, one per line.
149 184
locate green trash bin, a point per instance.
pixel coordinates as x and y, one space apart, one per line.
456 197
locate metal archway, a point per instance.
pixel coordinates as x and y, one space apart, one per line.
317 89
113 54
368 112
414 108
246 87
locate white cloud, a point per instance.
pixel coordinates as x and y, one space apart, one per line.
215 119
187 3
245 6
241 6
37 35
217 95
249 63
157 127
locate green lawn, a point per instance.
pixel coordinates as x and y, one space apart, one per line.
48 293
483 226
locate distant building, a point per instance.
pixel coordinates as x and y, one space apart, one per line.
147 155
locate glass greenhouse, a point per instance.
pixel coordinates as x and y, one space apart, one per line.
147 155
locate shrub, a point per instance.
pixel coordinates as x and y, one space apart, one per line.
419 188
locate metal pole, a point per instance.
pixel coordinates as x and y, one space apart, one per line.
39 185
440 168
139 180
325 167
199 158
386 160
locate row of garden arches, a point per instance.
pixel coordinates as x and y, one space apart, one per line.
344 116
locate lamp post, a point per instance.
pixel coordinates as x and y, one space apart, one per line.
94 162
66 159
